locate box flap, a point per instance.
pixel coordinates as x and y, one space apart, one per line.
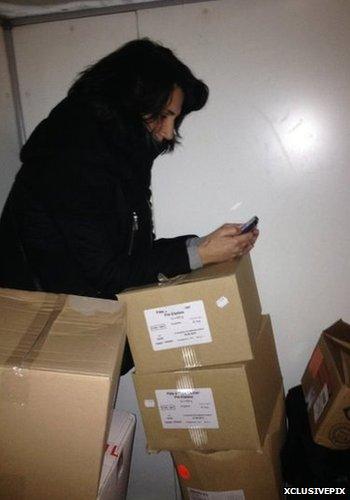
59 332
346 366
339 332
206 273
337 339
332 352
214 271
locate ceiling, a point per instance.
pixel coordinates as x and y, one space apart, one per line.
12 9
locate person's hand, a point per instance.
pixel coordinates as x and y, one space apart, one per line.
226 243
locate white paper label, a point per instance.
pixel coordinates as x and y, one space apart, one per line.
187 408
178 325
321 402
222 302
195 494
149 403
310 398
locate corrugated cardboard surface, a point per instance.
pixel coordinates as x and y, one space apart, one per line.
256 474
60 358
232 307
243 396
326 387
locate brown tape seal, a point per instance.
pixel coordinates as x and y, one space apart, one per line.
28 347
14 386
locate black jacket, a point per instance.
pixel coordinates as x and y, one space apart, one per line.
78 216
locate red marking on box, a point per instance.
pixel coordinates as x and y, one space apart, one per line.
114 451
183 471
315 362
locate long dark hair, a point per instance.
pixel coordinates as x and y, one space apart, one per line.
136 81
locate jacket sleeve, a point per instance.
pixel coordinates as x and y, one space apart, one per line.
78 196
192 243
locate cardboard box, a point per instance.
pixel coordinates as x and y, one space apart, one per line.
116 463
205 318
60 358
239 475
216 408
326 387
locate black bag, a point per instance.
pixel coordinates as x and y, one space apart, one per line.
305 463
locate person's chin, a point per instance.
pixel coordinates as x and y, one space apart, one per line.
162 145
157 139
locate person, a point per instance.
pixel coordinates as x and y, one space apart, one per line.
78 218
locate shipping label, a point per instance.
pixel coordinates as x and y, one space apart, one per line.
178 325
195 494
321 402
187 408
310 397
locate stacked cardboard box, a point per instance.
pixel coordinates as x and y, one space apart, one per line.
326 387
117 459
207 374
60 358
236 474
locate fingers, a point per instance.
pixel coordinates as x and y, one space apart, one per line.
229 230
245 250
252 236
247 242
235 229
245 238
241 243
226 243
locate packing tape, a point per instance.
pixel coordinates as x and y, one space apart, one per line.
198 435
93 309
190 358
165 281
14 385
29 345
185 381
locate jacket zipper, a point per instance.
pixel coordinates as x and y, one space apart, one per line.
151 221
134 228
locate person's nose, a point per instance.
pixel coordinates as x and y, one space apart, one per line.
167 130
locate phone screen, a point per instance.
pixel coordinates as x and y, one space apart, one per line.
250 225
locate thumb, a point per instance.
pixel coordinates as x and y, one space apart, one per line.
230 230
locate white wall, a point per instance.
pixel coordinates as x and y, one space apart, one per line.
50 55
9 146
273 141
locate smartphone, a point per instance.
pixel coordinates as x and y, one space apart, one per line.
251 224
